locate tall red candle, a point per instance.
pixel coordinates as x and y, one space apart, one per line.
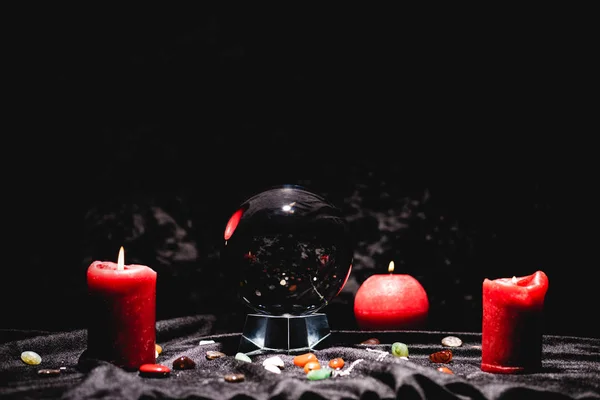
511 340
391 302
122 313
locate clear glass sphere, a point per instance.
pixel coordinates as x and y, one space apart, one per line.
290 251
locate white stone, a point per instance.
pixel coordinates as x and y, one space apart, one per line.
272 368
203 342
275 360
452 341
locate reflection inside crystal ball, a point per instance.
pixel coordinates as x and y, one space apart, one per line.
290 251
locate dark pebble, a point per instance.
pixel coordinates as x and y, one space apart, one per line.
211 354
234 377
49 372
184 362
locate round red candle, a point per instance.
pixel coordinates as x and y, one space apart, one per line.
122 313
391 302
511 340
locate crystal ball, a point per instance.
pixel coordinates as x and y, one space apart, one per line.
289 250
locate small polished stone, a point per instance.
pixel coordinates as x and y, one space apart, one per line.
49 372
319 374
158 348
184 362
336 363
311 365
243 357
445 370
275 360
154 370
444 356
234 377
212 354
371 341
302 359
452 341
31 357
272 368
203 342
399 349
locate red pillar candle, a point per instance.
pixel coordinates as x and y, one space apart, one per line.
122 313
391 302
511 340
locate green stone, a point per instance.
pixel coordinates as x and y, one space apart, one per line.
399 349
31 358
242 357
319 374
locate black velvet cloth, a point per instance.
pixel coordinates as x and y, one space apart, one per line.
570 369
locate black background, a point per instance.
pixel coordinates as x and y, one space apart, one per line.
487 124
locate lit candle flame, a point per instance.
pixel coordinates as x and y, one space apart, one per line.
391 267
514 280
121 260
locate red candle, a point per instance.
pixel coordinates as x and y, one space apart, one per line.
511 340
122 313
391 302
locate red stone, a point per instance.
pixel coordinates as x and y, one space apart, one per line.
154 370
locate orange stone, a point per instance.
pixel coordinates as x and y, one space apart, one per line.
311 365
444 356
302 359
337 363
445 370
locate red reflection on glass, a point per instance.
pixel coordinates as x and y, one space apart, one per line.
233 223
345 280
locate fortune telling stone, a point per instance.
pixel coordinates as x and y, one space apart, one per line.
272 368
275 360
158 348
451 341
311 366
154 370
302 359
336 363
371 341
399 349
444 356
319 374
211 354
234 377
243 357
49 372
184 362
445 370
31 358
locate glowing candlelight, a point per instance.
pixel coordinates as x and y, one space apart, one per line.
121 260
391 267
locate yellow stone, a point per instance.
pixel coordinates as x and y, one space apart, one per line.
31 358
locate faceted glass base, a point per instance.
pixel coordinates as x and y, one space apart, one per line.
283 333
